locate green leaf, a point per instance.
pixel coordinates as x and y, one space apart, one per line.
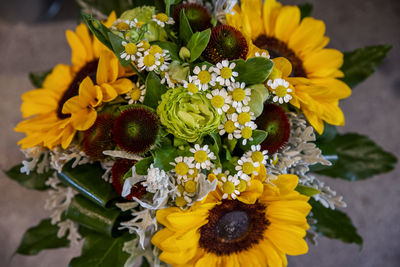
143 165
305 10
230 144
361 63
154 90
329 133
87 179
92 216
259 94
98 29
258 137
254 70
164 156
102 251
197 43
185 31
118 48
37 78
358 158
41 237
217 142
32 181
307 190
172 48
334 224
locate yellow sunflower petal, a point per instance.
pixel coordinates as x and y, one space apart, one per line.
79 54
314 120
323 63
73 105
122 86
270 13
207 260
287 238
108 92
271 253
287 22
68 135
83 119
177 258
59 79
83 33
283 65
38 101
252 10
107 70
252 193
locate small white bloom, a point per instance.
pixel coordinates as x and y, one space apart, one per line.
202 156
204 77
162 19
240 95
246 167
281 90
228 186
263 54
257 155
225 73
136 94
220 100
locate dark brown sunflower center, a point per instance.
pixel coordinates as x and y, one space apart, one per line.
233 227
90 70
277 48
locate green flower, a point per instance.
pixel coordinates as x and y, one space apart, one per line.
188 117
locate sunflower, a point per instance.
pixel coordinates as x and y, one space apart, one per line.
45 124
280 30
258 229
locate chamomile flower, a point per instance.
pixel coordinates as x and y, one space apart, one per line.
246 167
246 133
136 23
148 62
162 19
228 126
263 54
281 90
228 186
130 51
143 45
225 73
191 86
136 94
243 118
204 77
220 100
202 157
122 25
257 155
240 95
183 166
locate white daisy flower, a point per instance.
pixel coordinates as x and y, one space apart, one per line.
122 25
183 166
202 157
246 167
130 52
228 186
244 118
136 94
190 85
148 62
225 73
162 19
240 95
143 45
257 155
281 90
246 133
204 77
227 126
220 100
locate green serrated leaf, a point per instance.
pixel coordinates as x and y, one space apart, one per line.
143 165
118 48
87 179
172 48
185 31
102 251
258 137
37 78
358 158
334 224
41 237
92 216
307 190
305 10
254 70
32 181
197 43
154 90
361 63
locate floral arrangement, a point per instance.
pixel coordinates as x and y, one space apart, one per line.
190 133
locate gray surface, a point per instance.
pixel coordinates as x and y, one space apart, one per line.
373 110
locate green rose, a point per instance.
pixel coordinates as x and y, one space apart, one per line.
188 117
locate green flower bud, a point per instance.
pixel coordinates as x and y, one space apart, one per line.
188 117
184 53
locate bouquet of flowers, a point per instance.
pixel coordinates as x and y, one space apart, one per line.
190 133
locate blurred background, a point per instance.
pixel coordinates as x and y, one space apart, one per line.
32 38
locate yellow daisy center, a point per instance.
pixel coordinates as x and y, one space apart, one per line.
200 156
228 187
122 26
231 110
139 24
149 60
190 186
192 88
154 49
247 132
180 201
243 118
204 77
226 73
181 168
238 94
229 126
193 175
257 156
242 186
248 167
221 175
131 48
145 45
135 94
217 101
162 17
281 91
